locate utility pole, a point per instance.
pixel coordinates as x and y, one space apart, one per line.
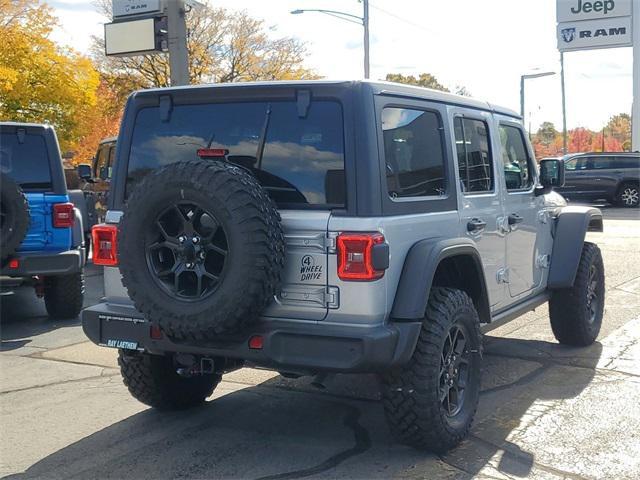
177 40
365 22
564 106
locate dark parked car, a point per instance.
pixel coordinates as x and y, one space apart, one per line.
613 177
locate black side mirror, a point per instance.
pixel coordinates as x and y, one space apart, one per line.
551 173
84 172
104 173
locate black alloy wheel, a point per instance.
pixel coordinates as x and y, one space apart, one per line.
454 370
187 251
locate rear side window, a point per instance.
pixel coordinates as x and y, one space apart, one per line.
475 164
24 158
625 162
518 170
413 152
302 162
601 163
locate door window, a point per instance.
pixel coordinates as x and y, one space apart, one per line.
601 163
518 170
414 154
475 163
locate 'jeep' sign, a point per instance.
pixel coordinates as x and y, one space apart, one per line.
572 10
124 8
589 34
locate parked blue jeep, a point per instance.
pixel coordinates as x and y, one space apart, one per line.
41 241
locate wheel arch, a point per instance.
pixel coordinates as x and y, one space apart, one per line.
572 225
445 263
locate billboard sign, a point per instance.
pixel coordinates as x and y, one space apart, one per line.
135 37
592 34
125 8
573 10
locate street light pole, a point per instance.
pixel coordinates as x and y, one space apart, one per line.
365 24
522 79
363 21
564 106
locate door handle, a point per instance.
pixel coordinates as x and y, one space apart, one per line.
476 225
514 218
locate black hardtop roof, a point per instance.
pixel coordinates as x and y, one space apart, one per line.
12 125
378 87
569 156
108 140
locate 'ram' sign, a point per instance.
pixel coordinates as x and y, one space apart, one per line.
590 34
125 8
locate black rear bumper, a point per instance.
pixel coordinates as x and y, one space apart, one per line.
32 264
285 347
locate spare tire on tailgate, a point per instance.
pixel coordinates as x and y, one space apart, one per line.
14 216
201 248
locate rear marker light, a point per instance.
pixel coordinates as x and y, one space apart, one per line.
155 332
14 263
355 259
255 342
63 215
105 245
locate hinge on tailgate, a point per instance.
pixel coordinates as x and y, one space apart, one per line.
331 242
332 297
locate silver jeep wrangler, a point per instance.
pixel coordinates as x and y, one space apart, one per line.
315 227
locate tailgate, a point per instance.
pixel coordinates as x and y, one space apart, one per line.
305 293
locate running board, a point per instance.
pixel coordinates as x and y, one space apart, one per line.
510 313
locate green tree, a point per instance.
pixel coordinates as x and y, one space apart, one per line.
619 127
424 80
547 133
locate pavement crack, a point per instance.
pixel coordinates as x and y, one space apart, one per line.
63 382
362 444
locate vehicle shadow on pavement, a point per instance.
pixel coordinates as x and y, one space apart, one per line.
23 316
282 429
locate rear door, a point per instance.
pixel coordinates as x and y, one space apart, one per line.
481 211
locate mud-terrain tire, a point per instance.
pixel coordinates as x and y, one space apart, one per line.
14 216
628 195
418 411
575 318
64 295
219 284
154 381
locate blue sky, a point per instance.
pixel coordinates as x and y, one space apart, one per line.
484 45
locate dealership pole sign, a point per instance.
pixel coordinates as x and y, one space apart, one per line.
587 25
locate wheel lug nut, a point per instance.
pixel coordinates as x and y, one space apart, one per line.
189 265
195 239
182 239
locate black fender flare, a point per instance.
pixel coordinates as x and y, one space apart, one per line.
572 224
419 269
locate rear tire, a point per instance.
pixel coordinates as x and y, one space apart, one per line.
64 295
417 397
576 313
14 216
628 196
153 380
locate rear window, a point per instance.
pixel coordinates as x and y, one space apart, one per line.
24 158
303 157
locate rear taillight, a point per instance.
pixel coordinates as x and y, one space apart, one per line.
63 216
357 256
105 244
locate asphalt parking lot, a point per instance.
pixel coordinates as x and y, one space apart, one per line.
546 411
